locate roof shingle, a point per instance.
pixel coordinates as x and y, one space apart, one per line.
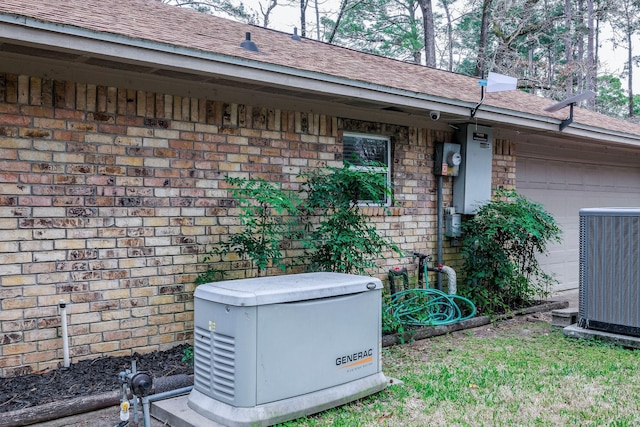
153 21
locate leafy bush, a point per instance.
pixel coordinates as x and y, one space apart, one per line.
499 251
187 355
339 236
266 215
329 222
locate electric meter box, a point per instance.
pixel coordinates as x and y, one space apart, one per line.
271 349
447 159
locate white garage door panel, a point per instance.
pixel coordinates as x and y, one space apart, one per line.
564 188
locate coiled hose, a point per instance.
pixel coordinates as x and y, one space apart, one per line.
428 307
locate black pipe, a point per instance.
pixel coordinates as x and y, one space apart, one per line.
439 244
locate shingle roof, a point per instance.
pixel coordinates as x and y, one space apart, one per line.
151 20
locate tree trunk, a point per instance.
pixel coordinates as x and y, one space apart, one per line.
303 18
630 78
266 14
343 7
429 33
317 21
482 42
568 48
445 6
581 58
591 66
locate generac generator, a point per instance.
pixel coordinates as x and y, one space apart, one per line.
268 350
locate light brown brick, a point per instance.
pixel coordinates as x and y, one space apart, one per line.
40 356
18 280
40 334
162 339
7 360
79 340
14 303
135 343
104 347
160 319
172 308
84 318
117 335
162 299
22 348
105 326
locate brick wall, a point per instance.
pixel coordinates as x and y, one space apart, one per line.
504 164
109 198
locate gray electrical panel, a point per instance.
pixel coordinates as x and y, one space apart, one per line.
472 186
276 348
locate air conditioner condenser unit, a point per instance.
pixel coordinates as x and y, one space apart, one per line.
609 295
268 350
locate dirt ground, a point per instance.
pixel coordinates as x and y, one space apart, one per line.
108 417
87 377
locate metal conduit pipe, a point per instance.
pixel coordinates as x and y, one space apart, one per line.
146 400
439 234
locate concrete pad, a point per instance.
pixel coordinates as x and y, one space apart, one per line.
574 331
174 412
564 317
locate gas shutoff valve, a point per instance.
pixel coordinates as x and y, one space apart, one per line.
447 159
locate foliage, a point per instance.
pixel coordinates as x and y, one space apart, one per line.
499 251
551 46
212 274
187 355
338 234
388 28
611 99
390 324
226 8
266 217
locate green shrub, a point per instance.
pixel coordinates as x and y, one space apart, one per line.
267 214
328 221
338 235
499 249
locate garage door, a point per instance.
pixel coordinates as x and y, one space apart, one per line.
582 179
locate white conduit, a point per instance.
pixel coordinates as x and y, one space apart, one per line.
65 333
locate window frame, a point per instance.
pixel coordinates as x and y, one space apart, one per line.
386 170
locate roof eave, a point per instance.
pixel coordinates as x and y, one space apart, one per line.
108 45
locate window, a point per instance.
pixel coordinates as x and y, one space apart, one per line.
369 153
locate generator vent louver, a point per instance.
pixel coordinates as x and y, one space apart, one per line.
202 365
214 363
609 270
224 366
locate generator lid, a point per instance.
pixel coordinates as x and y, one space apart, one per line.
621 211
287 288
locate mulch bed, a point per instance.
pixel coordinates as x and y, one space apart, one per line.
87 377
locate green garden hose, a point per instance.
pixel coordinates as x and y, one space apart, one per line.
428 307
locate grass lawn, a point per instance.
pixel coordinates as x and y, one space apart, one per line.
515 373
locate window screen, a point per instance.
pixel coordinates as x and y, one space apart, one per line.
369 153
